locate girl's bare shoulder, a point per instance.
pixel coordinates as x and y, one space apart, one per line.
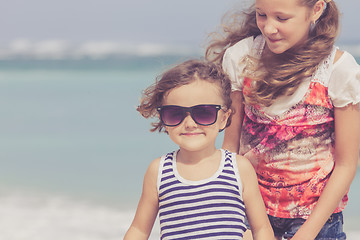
338 55
244 165
152 170
154 165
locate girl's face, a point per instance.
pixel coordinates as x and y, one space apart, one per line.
284 23
189 135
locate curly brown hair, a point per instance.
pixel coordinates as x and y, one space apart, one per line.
277 74
179 75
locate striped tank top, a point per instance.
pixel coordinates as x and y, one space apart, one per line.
208 209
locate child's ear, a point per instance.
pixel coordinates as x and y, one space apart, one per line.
317 10
165 127
224 119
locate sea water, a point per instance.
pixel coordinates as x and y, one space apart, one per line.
73 148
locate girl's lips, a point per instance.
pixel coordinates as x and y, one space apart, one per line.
191 134
273 40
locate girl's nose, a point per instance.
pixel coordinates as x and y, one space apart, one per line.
189 121
270 28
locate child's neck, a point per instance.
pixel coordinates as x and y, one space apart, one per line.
198 166
191 157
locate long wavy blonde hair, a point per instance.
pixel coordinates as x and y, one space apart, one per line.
276 74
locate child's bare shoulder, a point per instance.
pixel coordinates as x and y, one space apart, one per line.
152 170
247 174
246 169
243 163
154 165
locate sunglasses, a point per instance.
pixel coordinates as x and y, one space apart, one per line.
204 114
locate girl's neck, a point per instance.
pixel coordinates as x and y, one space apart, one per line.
194 157
198 166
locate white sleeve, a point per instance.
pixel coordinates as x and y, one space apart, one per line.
344 85
231 62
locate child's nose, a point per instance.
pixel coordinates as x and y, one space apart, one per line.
189 121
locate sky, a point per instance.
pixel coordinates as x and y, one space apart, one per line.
133 21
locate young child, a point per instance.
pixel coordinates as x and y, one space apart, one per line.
199 191
296 100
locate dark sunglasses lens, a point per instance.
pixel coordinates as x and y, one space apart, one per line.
205 115
171 115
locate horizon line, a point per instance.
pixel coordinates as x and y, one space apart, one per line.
59 49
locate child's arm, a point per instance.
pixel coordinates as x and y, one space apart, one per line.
347 133
254 205
148 206
232 133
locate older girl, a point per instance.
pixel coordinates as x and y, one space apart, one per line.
296 99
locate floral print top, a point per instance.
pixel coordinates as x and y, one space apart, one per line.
292 151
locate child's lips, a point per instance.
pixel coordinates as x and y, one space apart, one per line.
191 134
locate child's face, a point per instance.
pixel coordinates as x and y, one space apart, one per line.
284 23
189 135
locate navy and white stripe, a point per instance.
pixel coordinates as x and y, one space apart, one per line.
208 209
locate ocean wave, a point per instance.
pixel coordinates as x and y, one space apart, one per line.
61 49
35 217
32 216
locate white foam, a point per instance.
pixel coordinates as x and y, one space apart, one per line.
25 217
61 49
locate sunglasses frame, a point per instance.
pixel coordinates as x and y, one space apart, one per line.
186 110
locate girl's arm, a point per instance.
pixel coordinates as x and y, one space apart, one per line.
148 206
232 133
254 205
347 133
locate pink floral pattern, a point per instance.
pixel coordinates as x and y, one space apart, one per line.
293 154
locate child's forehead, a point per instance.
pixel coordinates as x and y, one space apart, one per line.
201 90
199 85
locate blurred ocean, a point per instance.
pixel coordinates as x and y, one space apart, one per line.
73 149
